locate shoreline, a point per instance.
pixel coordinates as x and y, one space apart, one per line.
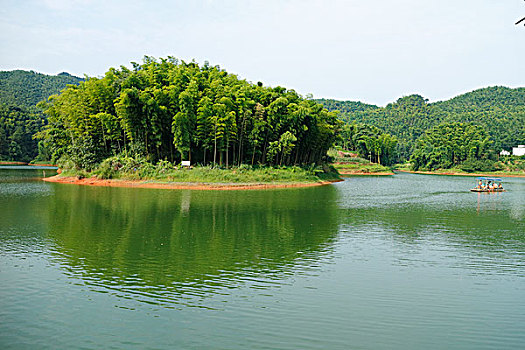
451 173
12 163
48 165
24 163
364 173
178 185
359 169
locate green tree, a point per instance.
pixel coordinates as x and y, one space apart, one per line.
450 144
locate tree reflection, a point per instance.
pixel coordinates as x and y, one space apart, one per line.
176 243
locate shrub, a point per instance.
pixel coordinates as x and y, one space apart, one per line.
472 165
108 169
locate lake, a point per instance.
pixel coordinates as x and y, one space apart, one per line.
400 262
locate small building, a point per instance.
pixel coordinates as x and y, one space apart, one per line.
504 153
518 151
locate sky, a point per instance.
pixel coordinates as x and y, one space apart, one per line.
373 51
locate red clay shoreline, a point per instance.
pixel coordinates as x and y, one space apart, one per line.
24 163
50 165
459 174
12 163
361 173
92 181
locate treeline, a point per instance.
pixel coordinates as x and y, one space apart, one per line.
345 106
17 127
172 110
25 89
20 120
499 110
450 145
369 142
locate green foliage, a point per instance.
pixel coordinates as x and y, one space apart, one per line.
179 111
345 106
84 154
20 119
363 167
124 166
500 110
450 144
25 89
473 165
369 142
512 164
17 126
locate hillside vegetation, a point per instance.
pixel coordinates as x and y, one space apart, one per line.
20 119
500 111
25 89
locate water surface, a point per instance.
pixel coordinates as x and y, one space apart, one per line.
402 262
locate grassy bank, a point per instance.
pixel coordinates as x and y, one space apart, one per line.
349 163
454 171
360 166
362 169
126 168
510 166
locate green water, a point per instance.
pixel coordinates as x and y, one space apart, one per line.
402 262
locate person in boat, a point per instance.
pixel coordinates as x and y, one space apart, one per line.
480 184
500 186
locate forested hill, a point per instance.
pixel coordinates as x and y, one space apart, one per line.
489 98
27 88
345 106
499 110
20 119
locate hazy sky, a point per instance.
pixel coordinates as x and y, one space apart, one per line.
370 50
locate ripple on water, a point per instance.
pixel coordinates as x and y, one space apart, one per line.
371 266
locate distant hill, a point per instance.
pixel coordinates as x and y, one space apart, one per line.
488 98
20 119
345 106
26 88
500 110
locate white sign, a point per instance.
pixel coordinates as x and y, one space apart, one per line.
186 163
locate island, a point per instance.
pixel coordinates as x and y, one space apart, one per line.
168 123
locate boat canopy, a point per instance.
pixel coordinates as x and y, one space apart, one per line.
489 179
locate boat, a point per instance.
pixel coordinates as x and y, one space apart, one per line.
483 187
485 190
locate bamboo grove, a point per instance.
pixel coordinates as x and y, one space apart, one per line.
172 110
369 142
454 144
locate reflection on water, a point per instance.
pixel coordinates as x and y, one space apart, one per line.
22 173
17 181
402 262
170 246
482 231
